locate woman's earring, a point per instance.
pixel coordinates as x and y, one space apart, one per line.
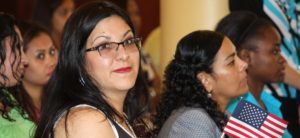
209 95
82 82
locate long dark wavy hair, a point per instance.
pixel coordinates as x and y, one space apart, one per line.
195 53
7 29
29 31
65 89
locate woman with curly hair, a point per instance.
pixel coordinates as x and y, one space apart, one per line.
203 77
12 66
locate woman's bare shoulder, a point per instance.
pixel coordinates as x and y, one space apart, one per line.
82 122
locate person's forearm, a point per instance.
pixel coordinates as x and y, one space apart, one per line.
292 76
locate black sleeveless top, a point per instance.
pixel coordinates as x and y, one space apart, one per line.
120 131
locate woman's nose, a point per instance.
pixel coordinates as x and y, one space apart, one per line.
53 61
281 59
121 53
243 65
24 58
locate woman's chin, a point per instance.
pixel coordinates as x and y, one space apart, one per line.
125 86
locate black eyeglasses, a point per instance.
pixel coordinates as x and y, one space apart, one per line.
110 49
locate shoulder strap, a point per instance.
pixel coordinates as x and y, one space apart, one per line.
274 92
121 132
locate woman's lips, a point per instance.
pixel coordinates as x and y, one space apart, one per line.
50 73
244 81
123 70
282 71
21 71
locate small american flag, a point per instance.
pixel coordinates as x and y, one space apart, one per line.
250 121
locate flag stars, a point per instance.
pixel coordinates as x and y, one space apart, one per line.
252 115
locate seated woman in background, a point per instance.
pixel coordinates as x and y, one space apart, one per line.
204 76
97 88
258 43
53 14
42 57
13 120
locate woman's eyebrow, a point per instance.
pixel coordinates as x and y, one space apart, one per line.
231 55
106 37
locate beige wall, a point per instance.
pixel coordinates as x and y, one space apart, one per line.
180 17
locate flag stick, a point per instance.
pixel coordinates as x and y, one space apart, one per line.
223 134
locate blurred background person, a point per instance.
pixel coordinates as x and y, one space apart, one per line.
53 15
14 122
133 10
152 46
42 57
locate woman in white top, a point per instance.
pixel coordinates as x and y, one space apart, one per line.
97 89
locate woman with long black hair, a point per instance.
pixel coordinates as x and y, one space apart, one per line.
97 88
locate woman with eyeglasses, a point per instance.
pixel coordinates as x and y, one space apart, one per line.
97 89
